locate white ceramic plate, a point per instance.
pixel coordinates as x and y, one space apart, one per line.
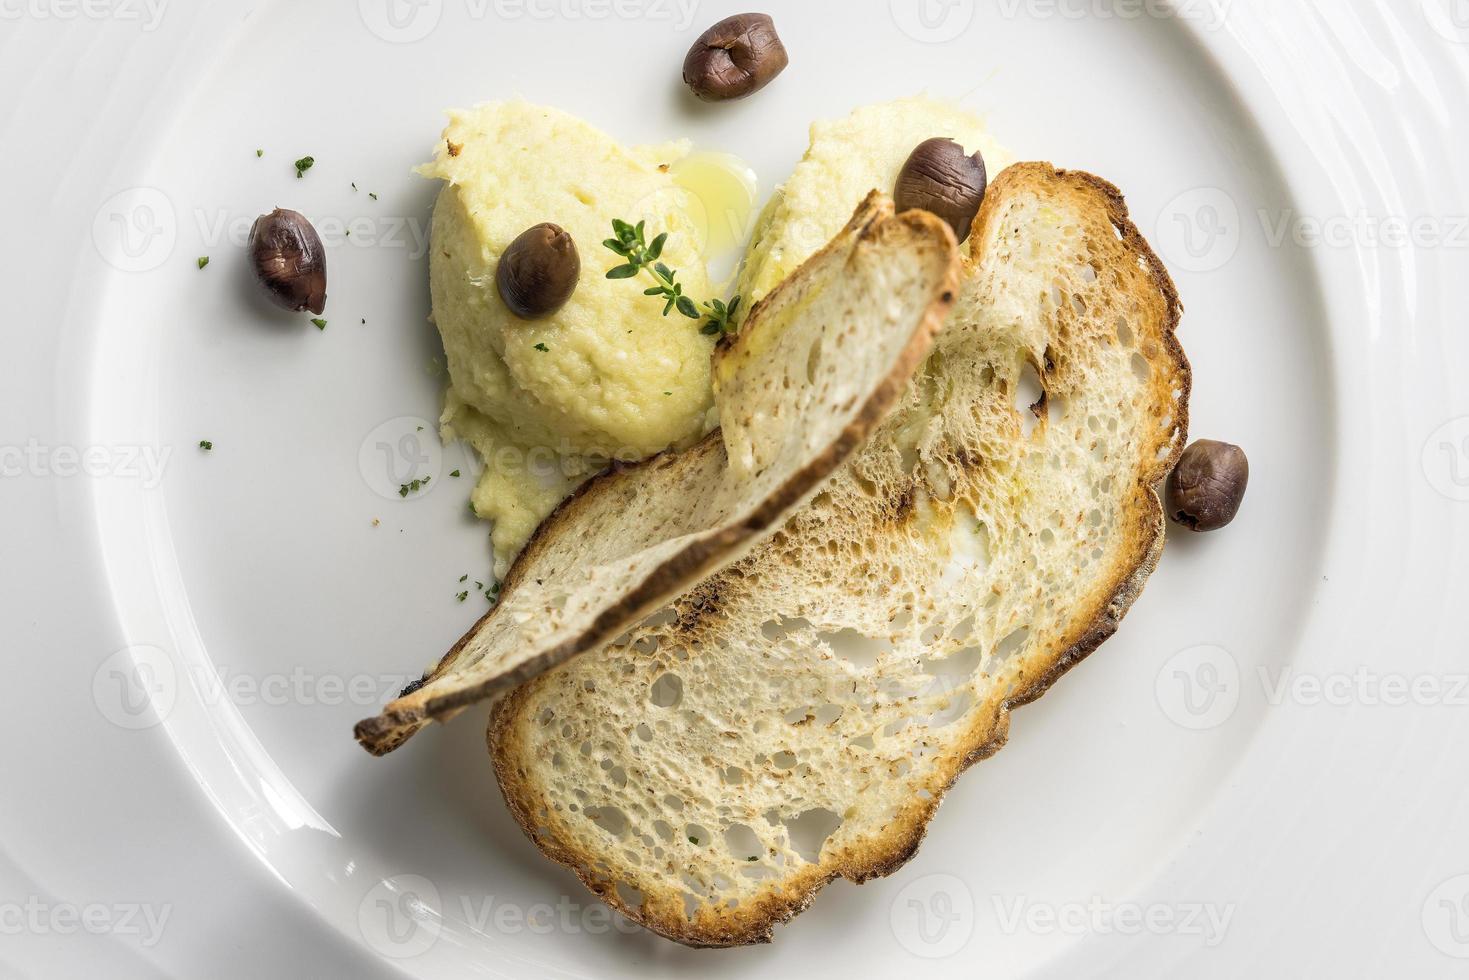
1262 771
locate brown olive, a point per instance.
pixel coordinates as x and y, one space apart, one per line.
1207 486
539 271
290 263
736 57
939 177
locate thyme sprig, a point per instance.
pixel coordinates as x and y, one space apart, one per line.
643 256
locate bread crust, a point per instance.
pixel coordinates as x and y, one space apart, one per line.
874 218
754 921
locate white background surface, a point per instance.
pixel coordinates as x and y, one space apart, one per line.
1227 786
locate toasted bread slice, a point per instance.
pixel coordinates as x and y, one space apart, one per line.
819 363
800 715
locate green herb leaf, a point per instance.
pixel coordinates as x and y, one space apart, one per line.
642 257
455 474
320 323
206 445
259 153
304 164
542 348
413 486
203 261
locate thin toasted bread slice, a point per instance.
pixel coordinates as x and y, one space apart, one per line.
818 364
800 715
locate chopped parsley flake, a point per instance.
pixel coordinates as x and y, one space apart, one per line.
304 164
464 577
542 348
462 596
320 323
203 261
413 486
372 195
694 840
259 153
454 474
354 185
206 445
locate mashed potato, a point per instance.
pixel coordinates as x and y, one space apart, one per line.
847 159
546 402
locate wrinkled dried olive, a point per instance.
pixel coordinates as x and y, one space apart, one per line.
939 177
290 263
736 57
539 271
1207 486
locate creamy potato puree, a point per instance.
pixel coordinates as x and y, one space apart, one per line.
848 158
615 378
546 402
